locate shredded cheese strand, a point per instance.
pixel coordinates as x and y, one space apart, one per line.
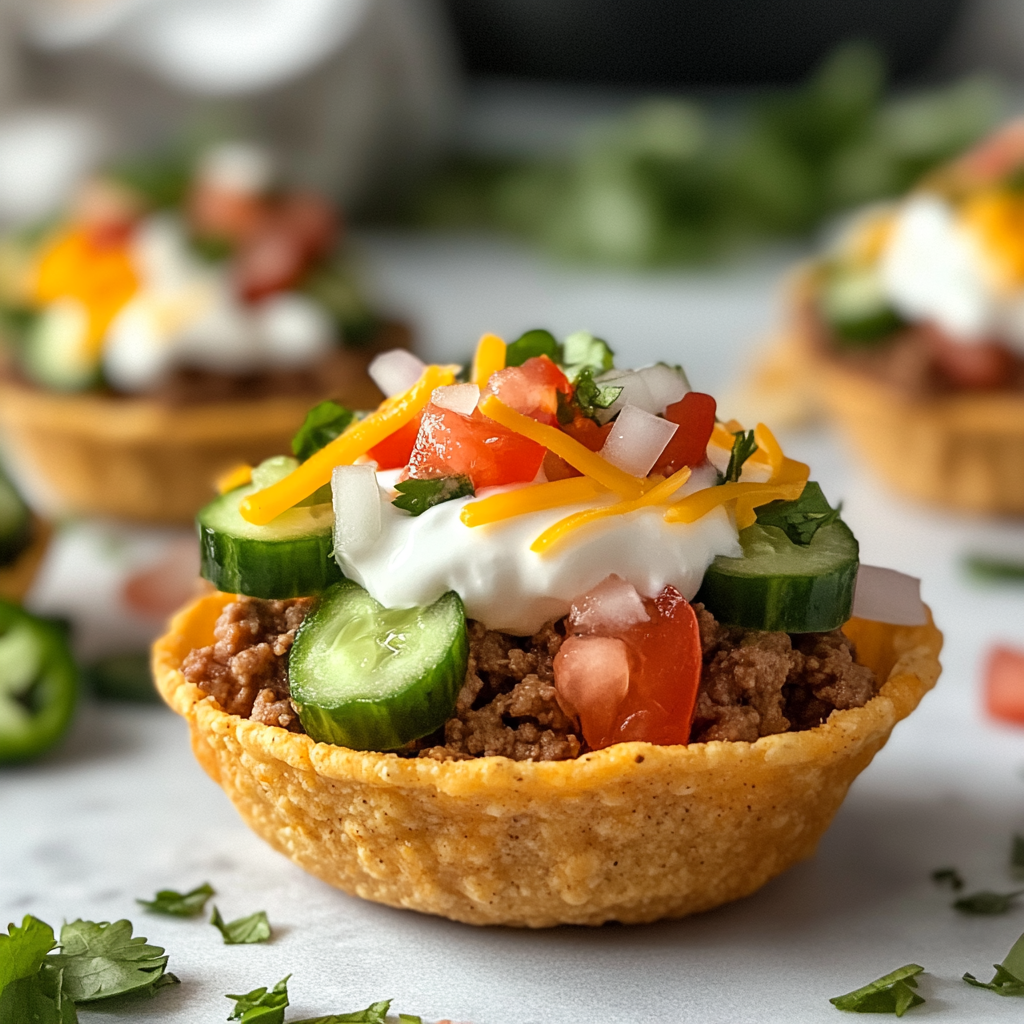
723 436
239 476
655 495
577 455
263 506
766 443
534 498
489 359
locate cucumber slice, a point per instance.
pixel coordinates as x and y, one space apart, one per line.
374 678
855 305
289 557
57 354
781 586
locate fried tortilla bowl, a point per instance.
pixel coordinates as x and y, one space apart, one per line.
631 833
17 578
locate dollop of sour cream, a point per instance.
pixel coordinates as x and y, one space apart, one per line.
416 559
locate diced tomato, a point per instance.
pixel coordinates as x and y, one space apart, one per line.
977 366
395 451
556 468
657 701
996 155
532 388
1004 684
587 432
695 414
218 212
449 444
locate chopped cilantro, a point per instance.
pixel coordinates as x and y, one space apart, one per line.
409 1018
39 999
103 960
323 423
179 904
1017 855
416 496
1009 978
893 993
986 902
994 570
582 350
261 1006
532 344
950 877
375 1013
22 949
588 396
743 446
244 930
800 520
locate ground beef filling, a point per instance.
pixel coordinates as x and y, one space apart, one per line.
753 683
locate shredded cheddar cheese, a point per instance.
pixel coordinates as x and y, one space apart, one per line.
489 359
723 436
578 456
996 217
263 506
655 495
535 498
239 476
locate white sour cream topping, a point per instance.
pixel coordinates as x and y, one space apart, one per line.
505 585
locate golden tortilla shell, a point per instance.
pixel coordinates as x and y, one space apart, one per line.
632 833
17 578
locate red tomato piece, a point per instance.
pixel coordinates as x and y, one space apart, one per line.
587 432
657 701
451 444
395 451
1004 684
978 366
695 414
532 388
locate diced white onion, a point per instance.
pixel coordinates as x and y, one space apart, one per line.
666 385
634 392
357 508
884 595
460 398
396 371
636 440
591 677
294 329
611 606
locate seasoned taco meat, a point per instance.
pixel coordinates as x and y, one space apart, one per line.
753 683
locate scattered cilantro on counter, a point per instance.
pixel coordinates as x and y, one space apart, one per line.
323 423
1009 978
101 960
743 446
950 877
243 930
375 1013
893 993
416 496
994 570
987 902
261 1006
179 904
800 520
30 989
1017 855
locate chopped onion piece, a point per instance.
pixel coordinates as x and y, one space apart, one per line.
634 392
637 439
460 398
591 679
666 385
357 508
884 595
396 371
612 605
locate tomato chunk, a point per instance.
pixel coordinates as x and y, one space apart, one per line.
1004 684
641 681
450 444
531 389
395 451
695 414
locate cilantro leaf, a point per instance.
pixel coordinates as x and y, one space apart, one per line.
531 344
994 570
323 423
581 350
23 949
39 999
416 496
893 993
179 904
987 902
1009 977
743 446
244 930
1017 855
409 1018
261 1006
800 520
588 396
375 1013
950 877
103 960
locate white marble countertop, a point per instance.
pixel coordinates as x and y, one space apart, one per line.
122 809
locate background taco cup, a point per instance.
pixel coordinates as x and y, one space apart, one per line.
17 577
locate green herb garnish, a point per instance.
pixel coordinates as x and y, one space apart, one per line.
800 520
743 446
581 350
375 1013
1009 978
994 570
588 396
950 877
261 1006
533 343
101 960
987 902
323 423
416 496
243 930
893 993
31 990
1017 855
179 904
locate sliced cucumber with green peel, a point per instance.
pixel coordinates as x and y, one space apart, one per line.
375 678
781 586
289 557
855 305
